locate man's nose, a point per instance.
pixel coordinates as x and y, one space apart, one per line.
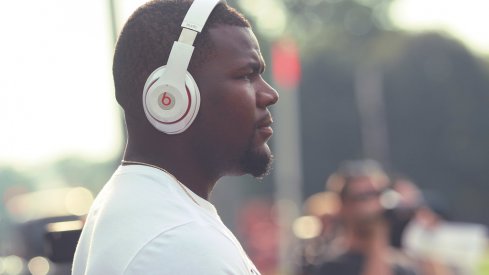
267 95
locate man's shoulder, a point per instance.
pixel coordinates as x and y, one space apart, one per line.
137 207
138 197
148 198
190 248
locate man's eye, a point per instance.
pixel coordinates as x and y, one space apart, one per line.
246 77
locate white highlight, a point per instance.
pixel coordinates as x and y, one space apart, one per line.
466 20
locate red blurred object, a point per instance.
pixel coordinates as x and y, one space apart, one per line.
259 231
286 68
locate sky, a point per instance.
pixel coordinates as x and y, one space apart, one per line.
465 19
56 91
56 94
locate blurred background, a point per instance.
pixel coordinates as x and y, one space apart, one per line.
402 82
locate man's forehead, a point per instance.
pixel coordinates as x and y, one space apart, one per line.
236 41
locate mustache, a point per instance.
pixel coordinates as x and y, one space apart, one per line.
265 121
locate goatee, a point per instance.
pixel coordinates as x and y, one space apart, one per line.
257 163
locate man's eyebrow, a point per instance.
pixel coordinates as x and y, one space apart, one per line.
255 65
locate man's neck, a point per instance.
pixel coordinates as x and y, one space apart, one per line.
193 175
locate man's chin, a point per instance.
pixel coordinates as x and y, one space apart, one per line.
257 161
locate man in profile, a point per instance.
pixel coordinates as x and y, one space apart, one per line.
153 216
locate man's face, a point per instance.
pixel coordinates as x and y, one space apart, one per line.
233 124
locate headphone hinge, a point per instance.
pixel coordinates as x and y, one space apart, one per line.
187 36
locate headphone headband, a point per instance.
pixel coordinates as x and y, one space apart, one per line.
182 50
198 14
195 19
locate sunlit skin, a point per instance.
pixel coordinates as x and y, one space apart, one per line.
230 133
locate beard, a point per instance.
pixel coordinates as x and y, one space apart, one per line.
256 161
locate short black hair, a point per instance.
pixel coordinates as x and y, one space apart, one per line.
145 43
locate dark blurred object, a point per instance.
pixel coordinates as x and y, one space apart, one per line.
403 208
31 235
61 239
398 219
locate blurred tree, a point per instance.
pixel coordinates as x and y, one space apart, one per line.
336 24
437 94
320 25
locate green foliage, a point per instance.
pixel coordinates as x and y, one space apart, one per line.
336 24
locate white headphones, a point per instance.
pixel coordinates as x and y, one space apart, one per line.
171 98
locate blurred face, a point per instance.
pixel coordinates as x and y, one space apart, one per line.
362 201
234 121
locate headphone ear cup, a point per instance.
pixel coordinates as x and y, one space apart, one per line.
168 109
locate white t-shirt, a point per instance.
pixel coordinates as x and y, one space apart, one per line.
143 223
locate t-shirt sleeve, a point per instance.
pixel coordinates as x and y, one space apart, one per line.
187 250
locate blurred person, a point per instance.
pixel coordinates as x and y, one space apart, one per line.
153 216
364 247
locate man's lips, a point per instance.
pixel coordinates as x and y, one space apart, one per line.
267 131
265 127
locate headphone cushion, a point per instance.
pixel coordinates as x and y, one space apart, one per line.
167 108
